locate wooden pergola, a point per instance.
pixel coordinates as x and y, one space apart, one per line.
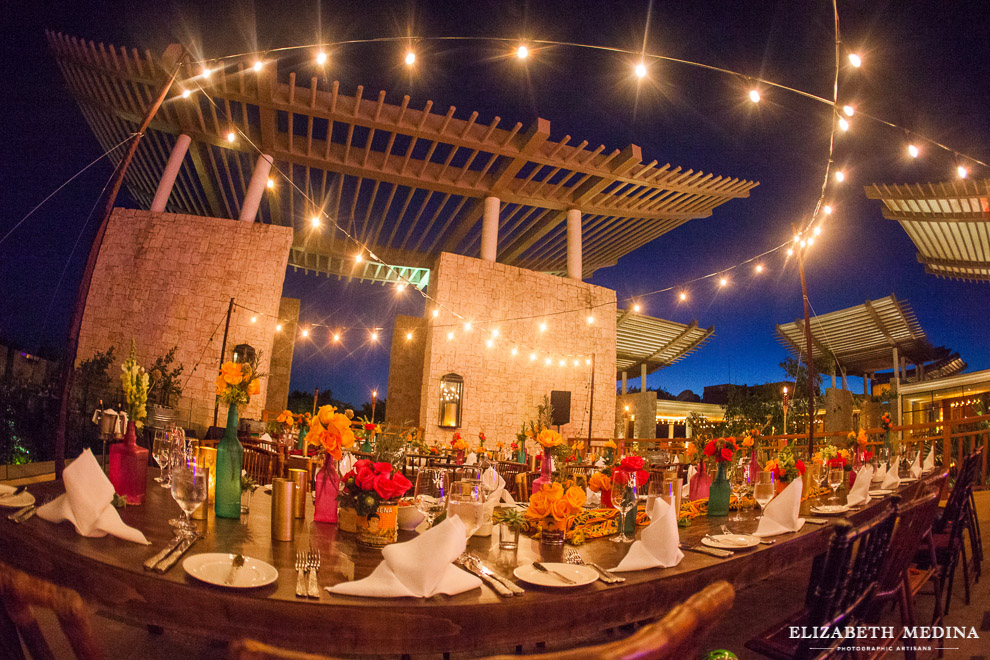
948 222
647 344
408 182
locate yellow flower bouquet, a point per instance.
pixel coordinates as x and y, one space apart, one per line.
238 382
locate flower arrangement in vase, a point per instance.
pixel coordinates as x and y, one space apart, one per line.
459 445
236 384
548 439
551 507
331 432
721 450
785 467
129 462
373 490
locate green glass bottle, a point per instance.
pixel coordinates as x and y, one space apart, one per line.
230 459
719 493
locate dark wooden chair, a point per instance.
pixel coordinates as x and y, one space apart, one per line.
677 635
412 463
843 582
20 594
508 470
260 465
524 485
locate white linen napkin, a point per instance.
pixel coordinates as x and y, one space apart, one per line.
677 459
691 472
916 466
492 481
860 493
592 498
658 546
86 502
346 463
891 481
880 473
471 459
600 463
419 568
930 460
781 515
264 437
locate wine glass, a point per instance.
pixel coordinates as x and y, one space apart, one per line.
432 489
189 487
823 470
466 501
835 476
624 498
738 483
763 491
654 490
160 452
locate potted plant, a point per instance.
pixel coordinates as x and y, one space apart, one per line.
165 388
786 468
721 450
550 508
248 486
459 446
511 521
129 462
373 490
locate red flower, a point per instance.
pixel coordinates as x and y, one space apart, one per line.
514 445
363 463
726 454
632 463
369 427
710 448
837 462
620 477
365 478
400 484
642 478
383 468
867 455
390 487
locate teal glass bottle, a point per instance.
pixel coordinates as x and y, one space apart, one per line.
230 459
719 493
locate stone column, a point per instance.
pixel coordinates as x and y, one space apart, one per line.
172 167
642 377
256 188
845 384
623 382
489 229
574 244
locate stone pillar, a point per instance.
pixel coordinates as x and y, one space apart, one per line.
642 377
623 382
489 229
574 244
256 188
172 167
845 384
897 370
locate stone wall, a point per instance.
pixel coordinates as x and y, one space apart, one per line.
165 279
405 370
502 390
280 367
642 405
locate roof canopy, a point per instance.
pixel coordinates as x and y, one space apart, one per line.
862 338
408 182
654 342
948 222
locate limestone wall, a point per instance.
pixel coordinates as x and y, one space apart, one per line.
280 365
165 279
405 370
500 389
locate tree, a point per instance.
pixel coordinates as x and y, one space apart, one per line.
797 371
758 407
94 382
165 386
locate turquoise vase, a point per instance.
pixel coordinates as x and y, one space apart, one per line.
521 453
301 445
719 493
230 459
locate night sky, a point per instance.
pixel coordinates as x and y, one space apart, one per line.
926 68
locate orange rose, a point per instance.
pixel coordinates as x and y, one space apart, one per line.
325 414
254 387
600 483
231 372
575 497
221 385
539 506
554 491
549 438
560 510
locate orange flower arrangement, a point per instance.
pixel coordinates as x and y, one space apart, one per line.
556 501
332 431
458 443
600 483
549 438
237 382
286 418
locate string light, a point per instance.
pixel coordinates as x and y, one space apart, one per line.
514 350
843 124
637 308
563 363
796 238
576 363
206 72
489 343
818 231
543 327
840 176
754 96
278 328
855 60
803 243
913 151
522 52
827 210
450 335
408 336
640 70
811 241
683 296
849 110
336 337
374 336
271 183
410 58
723 281
305 332
532 356
790 252
494 332
358 258
962 171
254 319
315 222
467 327
591 320
759 268
400 287
231 136
436 313
587 361
321 58
186 93
257 65
547 361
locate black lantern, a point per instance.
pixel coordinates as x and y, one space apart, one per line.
243 353
451 395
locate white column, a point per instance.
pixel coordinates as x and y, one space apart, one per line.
574 244
623 382
489 229
256 188
166 183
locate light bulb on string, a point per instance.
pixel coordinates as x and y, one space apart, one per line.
576 363
590 319
489 343
400 287
278 327
206 72
913 151
494 332
436 313
637 308
818 231
563 363
305 332
408 336
723 281
271 183
790 252
514 351
962 172
640 70
547 361
315 222
683 296
855 60
796 238
467 327
254 319
186 93
827 210
450 335
231 136
258 64
321 58
803 243
336 337
532 356
543 327
759 268
811 241
522 52
843 124
754 96
840 176
848 110
587 361
358 258
410 58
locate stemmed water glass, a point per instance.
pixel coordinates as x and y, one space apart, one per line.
466 501
823 472
432 489
739 481
190 484
835 475
624 498
763 491
160 452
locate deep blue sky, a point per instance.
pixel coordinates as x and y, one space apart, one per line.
926 68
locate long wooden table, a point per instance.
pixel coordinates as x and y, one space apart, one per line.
108 572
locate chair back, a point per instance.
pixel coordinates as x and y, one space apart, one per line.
508 470
840 593
260 465
524 485
20 594
914 521
958 501
411 463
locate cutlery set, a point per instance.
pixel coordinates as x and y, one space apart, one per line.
307 562
168 557
502 586
25 513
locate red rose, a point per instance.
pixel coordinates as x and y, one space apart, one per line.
799 464
632 463
369 427
710 448
726 454
642 478
365 478
400 485
383 468
620 477
779 474
363 463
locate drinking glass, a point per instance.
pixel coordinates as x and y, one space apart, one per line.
160 452
763 491
466 501
823 471
738 482
468 473
654 489
624 498
432 488
835 476
189 486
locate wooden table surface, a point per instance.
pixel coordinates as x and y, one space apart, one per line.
108 571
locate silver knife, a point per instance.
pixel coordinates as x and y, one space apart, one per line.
611 578
499 588
27 515
705 550
169 561
15 516
150 564
511 586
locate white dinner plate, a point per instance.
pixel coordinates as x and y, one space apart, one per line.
880 492
15 501
829 509
214 568
581 574
730 541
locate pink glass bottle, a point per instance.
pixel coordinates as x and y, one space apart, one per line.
129 467
327 487
546 474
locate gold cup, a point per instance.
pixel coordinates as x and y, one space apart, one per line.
206 457
301 480
283 492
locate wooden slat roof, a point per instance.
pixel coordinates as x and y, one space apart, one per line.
862 338
655 342
408 182
948 222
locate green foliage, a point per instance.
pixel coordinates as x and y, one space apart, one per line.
93 381
511 517
165 387
302 402
759 408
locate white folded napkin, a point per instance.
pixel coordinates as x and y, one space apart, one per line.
87 502
677 459
419 568
658 546
471 459
891 481
860 493
264 437
346 463
492 481
916 466
592 498
880 473
781 515
600 463
930 460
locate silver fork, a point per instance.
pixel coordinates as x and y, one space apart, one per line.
300 574
572 556
24 514
313 564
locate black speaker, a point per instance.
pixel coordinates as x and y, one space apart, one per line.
561 404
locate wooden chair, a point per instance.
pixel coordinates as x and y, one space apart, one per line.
260 465
20 593
524 485
839 593
508 470
677 635
412 463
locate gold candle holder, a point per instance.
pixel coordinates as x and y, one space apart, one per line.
206 457
300 478
283 492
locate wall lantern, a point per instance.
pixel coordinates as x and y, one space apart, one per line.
244 353
451 396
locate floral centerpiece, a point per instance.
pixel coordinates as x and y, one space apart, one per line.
549 440
236 384
329 431
721 450
601 482
630 474
129 462
372 489
551 506
785 467
459 445
608 451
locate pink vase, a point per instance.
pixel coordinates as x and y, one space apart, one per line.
546 476
327 487
700 484
129 467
